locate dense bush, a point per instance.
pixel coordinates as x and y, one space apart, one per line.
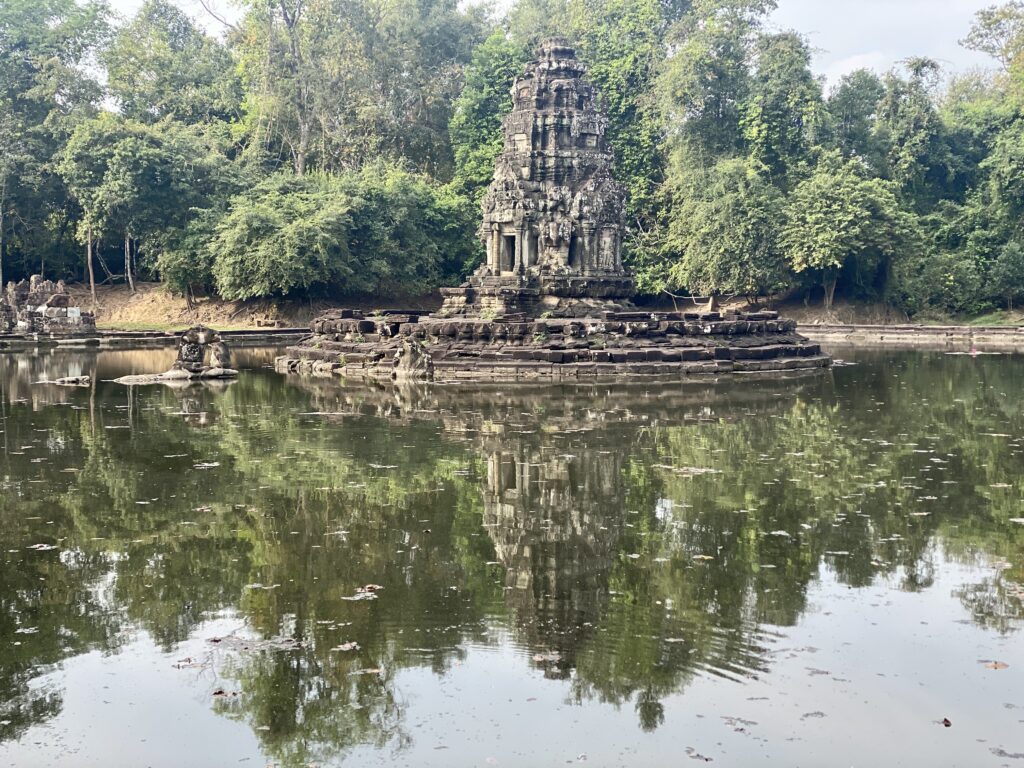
379 231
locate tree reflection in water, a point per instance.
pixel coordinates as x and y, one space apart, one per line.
625 539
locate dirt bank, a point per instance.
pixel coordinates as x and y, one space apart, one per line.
153 307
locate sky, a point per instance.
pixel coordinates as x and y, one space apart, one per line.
876 34
846 34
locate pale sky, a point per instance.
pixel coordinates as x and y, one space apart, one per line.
846 34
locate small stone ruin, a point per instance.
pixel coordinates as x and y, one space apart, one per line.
553 298
38 306
192 363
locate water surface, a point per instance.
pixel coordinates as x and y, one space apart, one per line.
806 572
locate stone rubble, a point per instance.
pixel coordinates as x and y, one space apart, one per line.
38 306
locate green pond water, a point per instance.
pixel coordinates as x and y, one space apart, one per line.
289 572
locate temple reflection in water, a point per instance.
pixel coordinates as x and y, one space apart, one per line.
623 541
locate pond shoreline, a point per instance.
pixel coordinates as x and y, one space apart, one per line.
111 339
905 336
925 337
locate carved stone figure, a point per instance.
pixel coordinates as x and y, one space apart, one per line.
220 355
412 362
192 349
191 362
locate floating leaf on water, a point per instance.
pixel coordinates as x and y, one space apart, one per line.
360 595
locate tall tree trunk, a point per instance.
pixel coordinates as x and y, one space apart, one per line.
303 150
92 275
830 290
128 263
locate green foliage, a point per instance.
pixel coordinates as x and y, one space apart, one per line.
783 115
722 234
839 219
852 111
622 43
377 231
331 83
706 81
999 32
1006 278
160 65
143 182
46 89
918 156
938 282
486 98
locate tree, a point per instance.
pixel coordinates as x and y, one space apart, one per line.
722 236
46 88
918 157
378 230
840 219
783 114
622 43
852 110
160 65
486 97
14 156
1007 274
706 80
142 183
332 82
999 32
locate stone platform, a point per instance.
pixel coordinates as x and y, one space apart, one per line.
408 345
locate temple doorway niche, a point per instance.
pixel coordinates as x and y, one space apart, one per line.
506 259
574 252
532 245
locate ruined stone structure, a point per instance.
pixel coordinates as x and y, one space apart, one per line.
553 217
191 363
38 306
552 299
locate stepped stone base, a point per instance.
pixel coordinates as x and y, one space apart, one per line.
572 296
412 345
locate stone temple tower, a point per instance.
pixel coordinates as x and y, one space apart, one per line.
553 216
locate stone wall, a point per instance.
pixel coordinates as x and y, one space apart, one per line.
38 306
514 347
